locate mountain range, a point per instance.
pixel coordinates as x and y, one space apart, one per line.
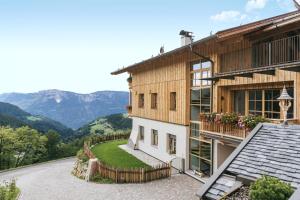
13 116
71 109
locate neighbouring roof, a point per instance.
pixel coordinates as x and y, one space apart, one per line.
270 149
228 33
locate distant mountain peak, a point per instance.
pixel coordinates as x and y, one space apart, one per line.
69 108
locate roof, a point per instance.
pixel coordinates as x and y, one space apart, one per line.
258 25
130 67
243 29
270 149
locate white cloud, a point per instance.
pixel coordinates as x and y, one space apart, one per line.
255 4
229 15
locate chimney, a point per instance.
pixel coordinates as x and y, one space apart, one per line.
186 37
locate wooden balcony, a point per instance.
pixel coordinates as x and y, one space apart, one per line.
261 58
221 130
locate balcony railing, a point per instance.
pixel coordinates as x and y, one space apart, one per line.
223 130
272 53
216 125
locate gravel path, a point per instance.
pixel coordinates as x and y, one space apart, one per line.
53 181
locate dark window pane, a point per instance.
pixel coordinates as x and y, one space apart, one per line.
251 95
251 105
268 94
205 150
194 163
276 107
276 94
195 147
291 91
258 95
276 116
258 105
268 105
268 115
195 112
205 109
195 96
205 167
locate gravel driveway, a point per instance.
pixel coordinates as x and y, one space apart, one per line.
53 181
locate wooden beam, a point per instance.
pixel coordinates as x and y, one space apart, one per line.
267 72
247 75
231 77
292 69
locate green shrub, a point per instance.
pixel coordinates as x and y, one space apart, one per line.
98 179
251 121
270 188
9 191
230 118
81 156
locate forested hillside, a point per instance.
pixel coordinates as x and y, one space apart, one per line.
107 125
13 116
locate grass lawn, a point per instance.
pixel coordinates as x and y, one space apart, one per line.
111 154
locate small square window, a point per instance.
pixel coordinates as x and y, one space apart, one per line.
173 101
141 100
153 100
154 137
141 133
171 144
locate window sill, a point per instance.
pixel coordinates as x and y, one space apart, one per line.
154 146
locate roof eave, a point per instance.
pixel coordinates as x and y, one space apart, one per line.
130 67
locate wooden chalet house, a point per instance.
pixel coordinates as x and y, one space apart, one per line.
238 70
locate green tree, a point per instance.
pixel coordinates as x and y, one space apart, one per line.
270 188
52 144
7 140
29 146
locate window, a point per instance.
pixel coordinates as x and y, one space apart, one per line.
172 144
200 102
141 133
141 100
173 101
201 155
154 137
272 109
194 130
255 102
200 70
153 100
265 103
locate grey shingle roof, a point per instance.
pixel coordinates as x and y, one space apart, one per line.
271 149
223 186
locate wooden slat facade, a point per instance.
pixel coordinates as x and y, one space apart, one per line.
162 77
171 73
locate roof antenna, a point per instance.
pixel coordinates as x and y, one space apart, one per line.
297 4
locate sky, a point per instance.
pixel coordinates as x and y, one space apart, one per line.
73 45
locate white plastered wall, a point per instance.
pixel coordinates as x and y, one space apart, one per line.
161 150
